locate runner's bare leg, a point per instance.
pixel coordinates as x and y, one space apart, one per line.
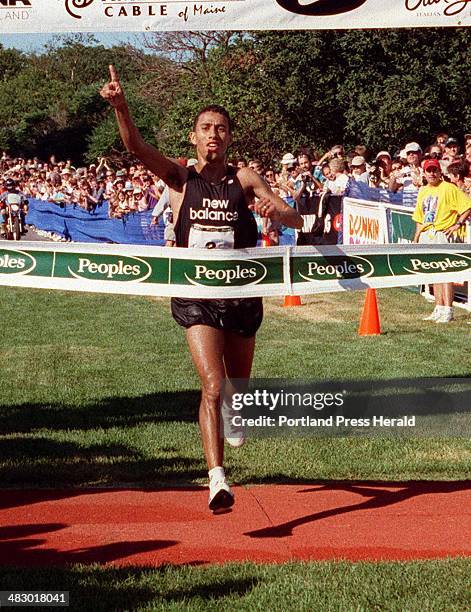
238 355
207 349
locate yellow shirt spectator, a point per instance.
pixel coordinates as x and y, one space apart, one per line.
440 206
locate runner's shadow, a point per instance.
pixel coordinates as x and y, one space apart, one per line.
378 497
16 498
19 549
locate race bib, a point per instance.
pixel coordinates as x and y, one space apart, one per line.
206 237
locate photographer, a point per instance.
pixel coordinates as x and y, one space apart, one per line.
410 177
305 184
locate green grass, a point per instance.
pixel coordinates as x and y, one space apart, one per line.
100 390
327 586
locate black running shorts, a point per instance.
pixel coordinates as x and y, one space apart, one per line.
241 316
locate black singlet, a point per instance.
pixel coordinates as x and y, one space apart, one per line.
215 210
217 216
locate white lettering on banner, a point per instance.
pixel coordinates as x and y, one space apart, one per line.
443 265
109 270
339 270
308 223
11 263
227 276
121 269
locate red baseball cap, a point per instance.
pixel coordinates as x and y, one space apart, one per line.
432 163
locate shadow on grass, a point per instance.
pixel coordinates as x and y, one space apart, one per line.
112 412
377 494
361 398
42 461
100 589
30 457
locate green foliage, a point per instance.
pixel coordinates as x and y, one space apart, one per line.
285 90
313 89
104 140
12 61
50 103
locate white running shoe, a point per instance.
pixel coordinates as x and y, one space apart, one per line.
234 435
220 495
436 314
445 317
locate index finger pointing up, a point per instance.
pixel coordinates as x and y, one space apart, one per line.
113 74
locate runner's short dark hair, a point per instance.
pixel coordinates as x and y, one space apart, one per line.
214 108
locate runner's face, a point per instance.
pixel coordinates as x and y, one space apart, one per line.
211 136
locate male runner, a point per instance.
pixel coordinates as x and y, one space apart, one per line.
220 333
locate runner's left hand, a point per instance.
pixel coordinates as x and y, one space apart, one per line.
265 208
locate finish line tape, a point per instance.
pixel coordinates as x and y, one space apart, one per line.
202 273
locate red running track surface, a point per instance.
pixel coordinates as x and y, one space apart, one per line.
268 523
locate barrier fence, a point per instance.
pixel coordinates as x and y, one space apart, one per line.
79 225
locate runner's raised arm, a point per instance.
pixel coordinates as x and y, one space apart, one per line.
169 171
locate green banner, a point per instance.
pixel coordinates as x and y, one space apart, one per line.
402 228
253 272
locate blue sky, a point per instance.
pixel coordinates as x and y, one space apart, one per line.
36 42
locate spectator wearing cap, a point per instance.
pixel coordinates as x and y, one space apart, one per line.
383 158
409 178
451 153
441 211
139 199
288 160
358 169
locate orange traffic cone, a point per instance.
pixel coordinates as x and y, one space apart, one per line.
369 322
266 242
292 300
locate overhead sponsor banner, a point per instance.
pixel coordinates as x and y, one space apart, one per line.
172 15
364 223
156 271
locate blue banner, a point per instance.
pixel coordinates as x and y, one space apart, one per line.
79 225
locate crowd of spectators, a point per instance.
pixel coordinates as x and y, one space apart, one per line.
129 189
132 188
337 170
